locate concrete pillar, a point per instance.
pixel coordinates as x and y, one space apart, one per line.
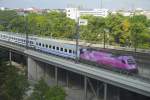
85 87
118 94
105 91
56 75
35 69
10 57
31 69
40 70
92 88
67 79
97 90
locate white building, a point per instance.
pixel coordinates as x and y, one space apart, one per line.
74 13
2 8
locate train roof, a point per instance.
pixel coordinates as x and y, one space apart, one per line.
52 40
35 37
18 35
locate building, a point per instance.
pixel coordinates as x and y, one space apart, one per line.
2 8
147 13
123 12
74 13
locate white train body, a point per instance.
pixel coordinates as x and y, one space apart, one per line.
47 45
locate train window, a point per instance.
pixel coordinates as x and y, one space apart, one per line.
39 44
50 46
43 45
46 46
65 50
123 62
57 48
73 52
31 42
53 47
70 51
61 49
36 43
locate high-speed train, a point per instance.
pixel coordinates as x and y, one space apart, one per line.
53 46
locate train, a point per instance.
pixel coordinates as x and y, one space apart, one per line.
53 46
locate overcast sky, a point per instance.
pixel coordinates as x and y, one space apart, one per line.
110 4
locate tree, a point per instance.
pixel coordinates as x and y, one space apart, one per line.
6 17
43 92
125 36
56 24
40 90
12 84
136 31
17 24
94 30
55 93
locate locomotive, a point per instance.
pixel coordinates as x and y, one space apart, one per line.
56 47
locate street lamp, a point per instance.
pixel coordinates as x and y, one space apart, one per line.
105 31
77 38
25 27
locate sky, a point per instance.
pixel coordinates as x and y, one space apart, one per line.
55 4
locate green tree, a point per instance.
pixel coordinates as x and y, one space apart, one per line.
136 32
42 91
17 24
13 85
5 18
55 93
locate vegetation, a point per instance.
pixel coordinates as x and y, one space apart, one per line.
133 31
13 84
43 92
